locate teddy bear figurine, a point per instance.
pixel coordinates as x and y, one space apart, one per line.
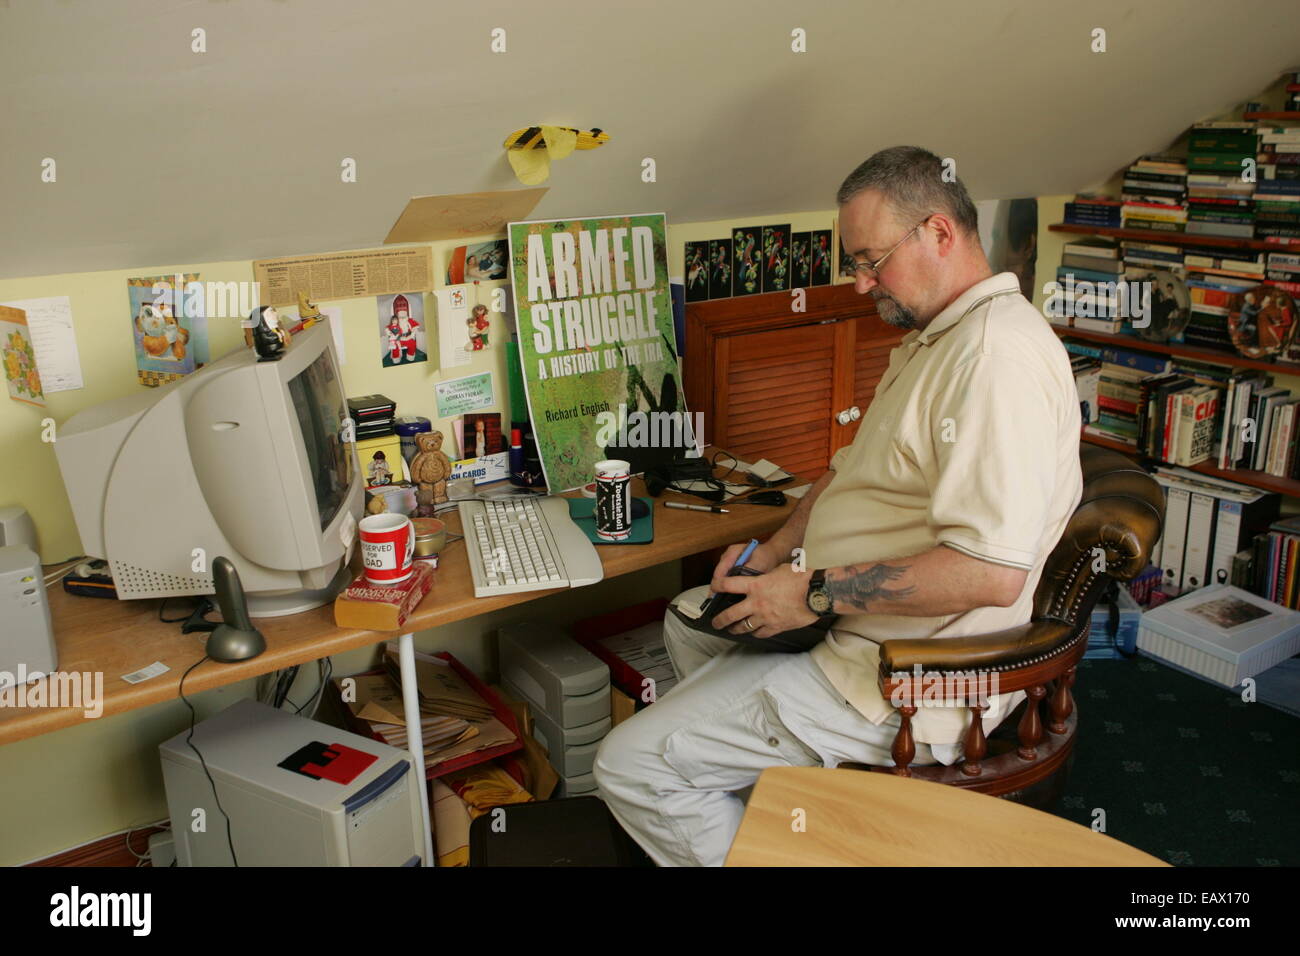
430 468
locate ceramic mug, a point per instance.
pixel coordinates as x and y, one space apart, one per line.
387 548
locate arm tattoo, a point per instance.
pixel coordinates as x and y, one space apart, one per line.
859 585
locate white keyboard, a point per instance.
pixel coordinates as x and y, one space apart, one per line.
526 544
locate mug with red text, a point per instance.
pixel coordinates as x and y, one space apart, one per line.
387 548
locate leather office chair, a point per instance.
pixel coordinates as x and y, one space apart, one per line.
1109 538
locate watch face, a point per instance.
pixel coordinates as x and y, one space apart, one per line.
819 601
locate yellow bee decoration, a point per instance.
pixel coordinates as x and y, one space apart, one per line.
531 150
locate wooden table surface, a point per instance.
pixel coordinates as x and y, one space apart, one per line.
120 637
858 818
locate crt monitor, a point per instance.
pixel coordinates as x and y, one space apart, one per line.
243 458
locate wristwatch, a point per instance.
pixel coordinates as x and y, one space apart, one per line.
819 599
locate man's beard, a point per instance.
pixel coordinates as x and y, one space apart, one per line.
900 316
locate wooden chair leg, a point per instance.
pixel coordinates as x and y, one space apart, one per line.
1031 724
904 749
1062 702
975 745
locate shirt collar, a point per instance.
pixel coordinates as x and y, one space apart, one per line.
1002 282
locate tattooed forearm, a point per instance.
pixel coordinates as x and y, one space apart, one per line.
856 586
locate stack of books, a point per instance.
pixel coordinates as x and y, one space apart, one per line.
1089 297
1220 191
372 415
1206 262
1152 255
1277 190
1091 210
1155 194
1212 298
1282 269
1087 379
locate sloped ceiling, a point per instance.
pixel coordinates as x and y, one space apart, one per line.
166 156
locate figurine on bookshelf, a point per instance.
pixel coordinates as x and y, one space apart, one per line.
430 468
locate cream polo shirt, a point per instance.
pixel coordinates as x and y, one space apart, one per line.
971 441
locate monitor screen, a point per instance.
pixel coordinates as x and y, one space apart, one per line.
318 401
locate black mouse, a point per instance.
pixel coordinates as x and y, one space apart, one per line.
639 509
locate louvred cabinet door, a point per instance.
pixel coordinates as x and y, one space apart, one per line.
777 393
783 385
875 340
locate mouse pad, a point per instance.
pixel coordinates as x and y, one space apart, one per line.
582 511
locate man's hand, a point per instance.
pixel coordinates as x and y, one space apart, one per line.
763 559
775 602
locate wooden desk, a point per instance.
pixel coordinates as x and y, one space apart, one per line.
119 637
857 818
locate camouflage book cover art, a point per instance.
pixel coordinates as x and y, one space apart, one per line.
596 337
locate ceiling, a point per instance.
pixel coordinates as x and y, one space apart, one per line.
166 156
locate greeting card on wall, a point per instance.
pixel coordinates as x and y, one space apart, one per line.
401 329
453 304
19 358
169 326
595 336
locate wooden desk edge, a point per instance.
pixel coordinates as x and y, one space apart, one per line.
22 723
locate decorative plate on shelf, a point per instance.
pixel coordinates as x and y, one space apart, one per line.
1170 303
1261 321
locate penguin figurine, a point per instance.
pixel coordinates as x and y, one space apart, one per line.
269 339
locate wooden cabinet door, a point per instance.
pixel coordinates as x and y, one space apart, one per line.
778 392
771 382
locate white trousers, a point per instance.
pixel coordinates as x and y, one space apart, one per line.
670 774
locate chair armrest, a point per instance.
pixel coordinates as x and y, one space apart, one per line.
1001 650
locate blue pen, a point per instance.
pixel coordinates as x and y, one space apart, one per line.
744 555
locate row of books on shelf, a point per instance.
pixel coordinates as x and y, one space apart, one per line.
1101 259
1187 412
1239 179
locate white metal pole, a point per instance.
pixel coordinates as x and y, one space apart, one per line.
415 736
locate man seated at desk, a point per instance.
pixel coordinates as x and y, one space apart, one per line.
935 522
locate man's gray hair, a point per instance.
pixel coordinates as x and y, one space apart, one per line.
913 181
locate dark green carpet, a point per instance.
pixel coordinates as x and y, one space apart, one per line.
1184 769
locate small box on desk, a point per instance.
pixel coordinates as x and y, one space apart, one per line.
382 608
1102 644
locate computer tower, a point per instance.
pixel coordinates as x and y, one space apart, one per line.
297 792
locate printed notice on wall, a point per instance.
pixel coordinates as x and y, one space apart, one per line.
49 321
344 275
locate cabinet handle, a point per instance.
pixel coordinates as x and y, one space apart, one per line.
849 415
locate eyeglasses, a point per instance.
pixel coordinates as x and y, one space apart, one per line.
872 269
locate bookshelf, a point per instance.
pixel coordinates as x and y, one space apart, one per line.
1256 479
1292 115
1178 238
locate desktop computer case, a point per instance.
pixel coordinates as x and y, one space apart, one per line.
280 817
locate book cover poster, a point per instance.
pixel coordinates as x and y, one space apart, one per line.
169 326
595 337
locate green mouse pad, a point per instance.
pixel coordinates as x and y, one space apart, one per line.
582 511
